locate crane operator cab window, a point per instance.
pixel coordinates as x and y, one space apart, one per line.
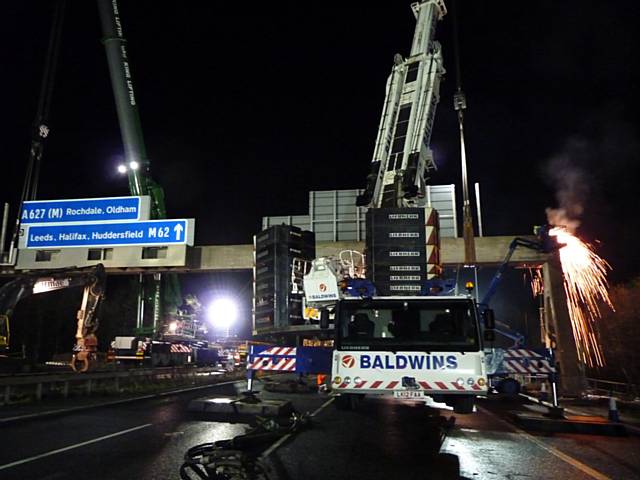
360 326
433 325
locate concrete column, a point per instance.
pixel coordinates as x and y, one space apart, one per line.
572 376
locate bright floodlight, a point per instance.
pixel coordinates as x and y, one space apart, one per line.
222 313
122 168
133 165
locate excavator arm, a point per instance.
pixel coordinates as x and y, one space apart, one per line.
93 281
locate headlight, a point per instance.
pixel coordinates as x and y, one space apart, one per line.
357 380
470 381
337 380
460 382
347 380
482 382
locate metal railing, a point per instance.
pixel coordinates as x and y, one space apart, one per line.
606 387
18 388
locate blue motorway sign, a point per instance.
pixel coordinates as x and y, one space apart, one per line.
149 233
85 210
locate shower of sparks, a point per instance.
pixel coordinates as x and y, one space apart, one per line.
585 284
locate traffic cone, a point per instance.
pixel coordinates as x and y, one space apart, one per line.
320 382
614 416
543 391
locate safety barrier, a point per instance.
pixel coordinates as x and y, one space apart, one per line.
606 387
37 386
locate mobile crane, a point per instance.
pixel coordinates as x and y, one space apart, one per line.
427 343
405 347
26 284
137 164
175 336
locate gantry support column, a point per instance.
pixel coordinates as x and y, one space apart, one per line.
558 330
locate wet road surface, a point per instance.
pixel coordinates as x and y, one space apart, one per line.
381 440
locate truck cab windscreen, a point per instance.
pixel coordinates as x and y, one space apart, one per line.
408 325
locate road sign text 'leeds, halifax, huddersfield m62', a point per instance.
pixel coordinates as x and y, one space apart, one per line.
149 233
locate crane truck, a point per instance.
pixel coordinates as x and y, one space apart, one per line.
405 347
398 330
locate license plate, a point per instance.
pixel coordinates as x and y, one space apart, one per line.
408 394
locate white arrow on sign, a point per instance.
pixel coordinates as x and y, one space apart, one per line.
178 229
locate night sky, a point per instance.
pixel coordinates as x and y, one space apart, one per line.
246 108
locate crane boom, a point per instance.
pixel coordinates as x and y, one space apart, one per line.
402 154
140 180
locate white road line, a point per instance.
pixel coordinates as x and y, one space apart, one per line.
279 443
553 451
276 445
323 406
71 447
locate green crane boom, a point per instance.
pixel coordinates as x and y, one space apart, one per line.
140 181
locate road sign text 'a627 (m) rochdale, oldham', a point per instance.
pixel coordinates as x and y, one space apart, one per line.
109 209
149 233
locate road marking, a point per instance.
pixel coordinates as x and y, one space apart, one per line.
553 451
280 441
323 406
71 447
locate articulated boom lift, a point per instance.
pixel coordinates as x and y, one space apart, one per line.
544 244
402 155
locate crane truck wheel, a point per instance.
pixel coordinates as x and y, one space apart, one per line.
348 401
343 401
509 387
464 404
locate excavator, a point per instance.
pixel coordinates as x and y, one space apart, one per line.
27 284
